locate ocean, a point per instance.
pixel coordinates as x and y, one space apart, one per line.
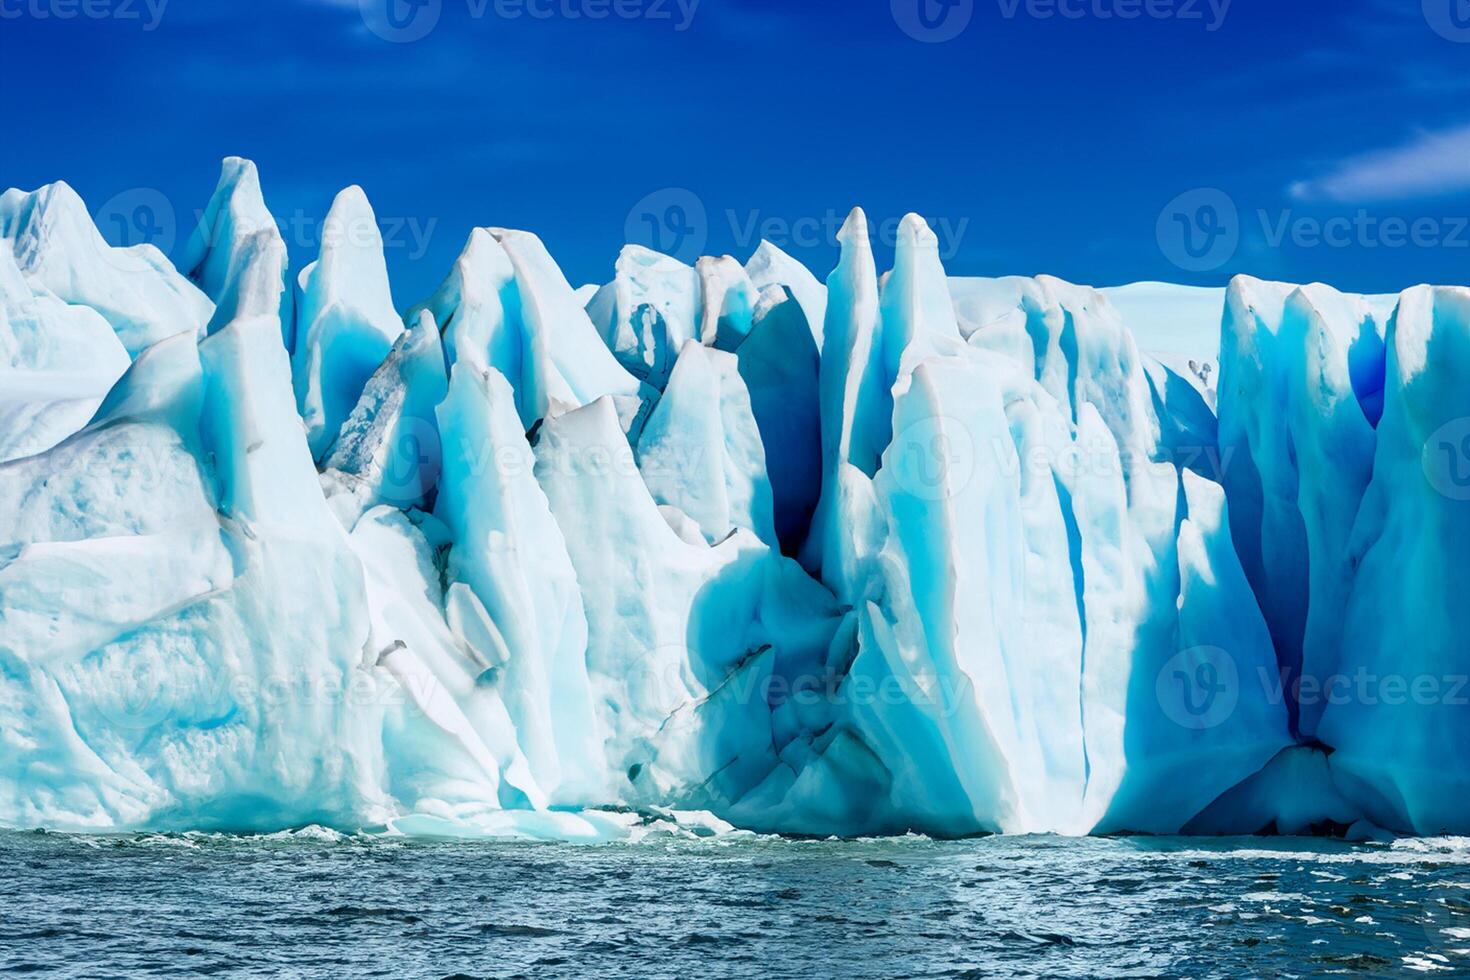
316 903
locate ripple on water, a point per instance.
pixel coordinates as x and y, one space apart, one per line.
318 903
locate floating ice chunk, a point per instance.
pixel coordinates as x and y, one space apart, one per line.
348 323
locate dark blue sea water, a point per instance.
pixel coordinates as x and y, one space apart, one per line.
321 905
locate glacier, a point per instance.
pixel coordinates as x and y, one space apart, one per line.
897 552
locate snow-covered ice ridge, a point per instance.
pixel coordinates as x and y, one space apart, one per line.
898 553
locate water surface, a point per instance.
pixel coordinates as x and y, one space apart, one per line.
316 904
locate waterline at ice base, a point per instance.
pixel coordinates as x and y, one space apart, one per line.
717 543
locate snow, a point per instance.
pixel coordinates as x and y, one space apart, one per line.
525 561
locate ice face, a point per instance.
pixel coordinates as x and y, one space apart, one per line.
770 266
348 324
1290 414
780 363
521 607
1396 733
389 450
701 450
237 255
265 563
57 363
136 290
507 306
648 312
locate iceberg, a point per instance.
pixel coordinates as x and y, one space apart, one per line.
889 553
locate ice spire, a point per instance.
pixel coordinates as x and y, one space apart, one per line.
347 321
236 253
856 406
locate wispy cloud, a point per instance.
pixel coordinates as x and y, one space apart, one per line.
1431 165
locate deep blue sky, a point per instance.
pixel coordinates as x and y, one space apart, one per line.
1034 144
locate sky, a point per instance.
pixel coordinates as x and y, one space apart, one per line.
1102 141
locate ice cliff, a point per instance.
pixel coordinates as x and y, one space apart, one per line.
895 553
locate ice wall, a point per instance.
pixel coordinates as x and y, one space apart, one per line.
888 554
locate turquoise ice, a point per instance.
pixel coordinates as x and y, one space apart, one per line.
897 552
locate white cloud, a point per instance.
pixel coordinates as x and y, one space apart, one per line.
1431 165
